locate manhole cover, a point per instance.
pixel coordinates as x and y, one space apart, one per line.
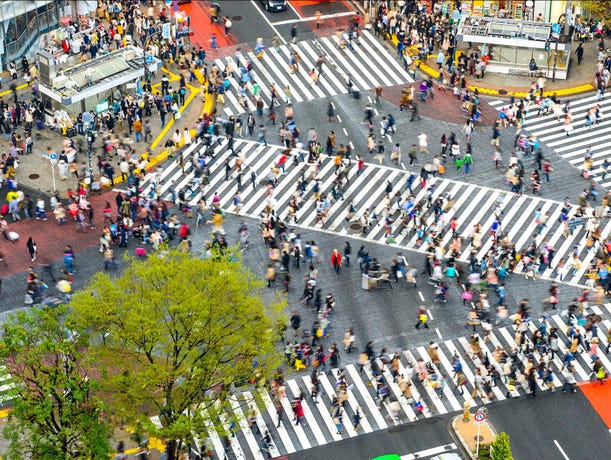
237 18
34 176
355 227
502 92
478 438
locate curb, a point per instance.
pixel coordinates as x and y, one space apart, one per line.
463 443
464 447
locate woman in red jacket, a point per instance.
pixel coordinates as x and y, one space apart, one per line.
336 260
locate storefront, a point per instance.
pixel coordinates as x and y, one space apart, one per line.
512 44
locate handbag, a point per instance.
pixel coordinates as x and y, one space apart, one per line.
177 115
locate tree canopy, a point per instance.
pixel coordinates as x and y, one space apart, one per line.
178 332
596 9
57 412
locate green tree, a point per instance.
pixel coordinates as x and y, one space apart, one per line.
596 9
57 412
501 449
178 333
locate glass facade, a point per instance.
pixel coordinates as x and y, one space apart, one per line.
23 23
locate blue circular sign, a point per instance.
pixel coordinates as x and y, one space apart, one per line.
148 59
53 156
556 28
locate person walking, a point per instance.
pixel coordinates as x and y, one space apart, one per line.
579 53
293 33
347 253
297 410
422 317
69 259
336 260
31 248
109 258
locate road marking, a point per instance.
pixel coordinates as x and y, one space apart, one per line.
345 132
269 23
421 296
339 120
561 450
429 452
351 145
312 18
438 333
369 99
430 314
403 165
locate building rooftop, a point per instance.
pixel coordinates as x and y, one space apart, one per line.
504 28
97 75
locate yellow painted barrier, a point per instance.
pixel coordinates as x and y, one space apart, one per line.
8 91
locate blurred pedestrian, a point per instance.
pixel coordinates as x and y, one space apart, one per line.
31 248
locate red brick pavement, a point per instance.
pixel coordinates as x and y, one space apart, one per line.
445 106
51 238
199 12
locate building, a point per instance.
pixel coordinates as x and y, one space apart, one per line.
91 84
23 22
512 44
529 10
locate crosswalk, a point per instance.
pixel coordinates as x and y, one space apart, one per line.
6 384
251 414
468 204
368 65
550 131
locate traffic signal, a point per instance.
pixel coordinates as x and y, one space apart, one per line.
546 45
90 136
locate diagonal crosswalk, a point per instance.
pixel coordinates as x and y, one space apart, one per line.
550 131
368 65
468 204
318 425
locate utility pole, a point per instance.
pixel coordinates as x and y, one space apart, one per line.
90 141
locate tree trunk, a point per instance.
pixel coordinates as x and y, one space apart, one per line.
172 449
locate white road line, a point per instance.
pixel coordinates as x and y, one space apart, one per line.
430 452
561 450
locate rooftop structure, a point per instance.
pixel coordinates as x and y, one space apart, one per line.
95 76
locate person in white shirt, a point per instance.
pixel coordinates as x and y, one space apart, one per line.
186 137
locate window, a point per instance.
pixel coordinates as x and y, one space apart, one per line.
504 54
10 35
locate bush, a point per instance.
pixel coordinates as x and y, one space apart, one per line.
501 449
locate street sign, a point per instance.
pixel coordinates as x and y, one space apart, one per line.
479 417
165 32
168 2
53 157
556 28
148 59
101 107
